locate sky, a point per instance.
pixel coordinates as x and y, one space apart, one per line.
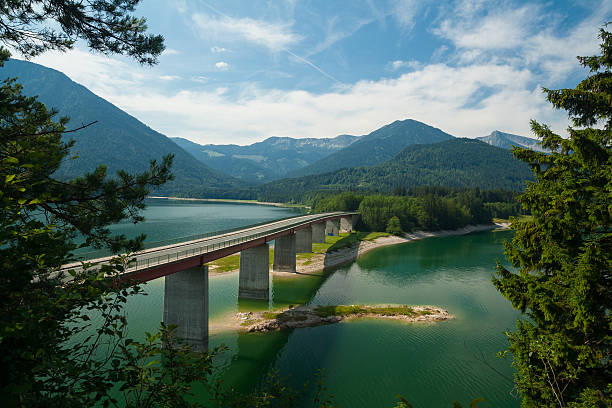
241 71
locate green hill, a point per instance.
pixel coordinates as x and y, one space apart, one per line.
457 163
117 140
376 147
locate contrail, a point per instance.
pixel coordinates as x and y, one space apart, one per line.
304 60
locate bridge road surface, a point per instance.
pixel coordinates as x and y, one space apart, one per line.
152 263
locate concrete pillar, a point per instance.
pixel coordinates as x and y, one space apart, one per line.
331 227
284 254
186 306
346 224
318 233
303 240
254 281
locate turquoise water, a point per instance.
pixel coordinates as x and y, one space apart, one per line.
367 362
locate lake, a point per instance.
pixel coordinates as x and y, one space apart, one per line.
366 362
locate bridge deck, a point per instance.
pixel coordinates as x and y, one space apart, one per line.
165 260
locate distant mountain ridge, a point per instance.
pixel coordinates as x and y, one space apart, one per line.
268 160
508 140
376 147
117 140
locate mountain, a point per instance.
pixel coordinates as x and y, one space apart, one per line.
117 140
268 160
508 140
458 163
376 147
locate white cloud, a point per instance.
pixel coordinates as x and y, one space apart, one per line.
274 36
217 49
438 95
222 66
395 65
405 12
521 37
201 79
169 77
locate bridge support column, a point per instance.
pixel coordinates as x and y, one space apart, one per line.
331 227
318 233
346 224
303 240
186 306
284 254
254 280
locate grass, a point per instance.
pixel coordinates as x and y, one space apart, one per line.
353 238
229 263
518 217
326 311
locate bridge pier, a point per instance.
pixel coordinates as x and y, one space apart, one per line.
346 224
331 227
284 254
303 240
318 233
254 280
186 306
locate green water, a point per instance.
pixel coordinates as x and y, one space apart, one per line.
367 362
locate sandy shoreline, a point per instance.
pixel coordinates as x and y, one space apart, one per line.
320 262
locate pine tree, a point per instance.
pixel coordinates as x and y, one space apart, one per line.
563 255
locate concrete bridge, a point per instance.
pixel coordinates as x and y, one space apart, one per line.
186 276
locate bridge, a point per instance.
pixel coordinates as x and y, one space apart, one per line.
183 264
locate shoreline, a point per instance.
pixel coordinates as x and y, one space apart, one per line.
320 262
231 201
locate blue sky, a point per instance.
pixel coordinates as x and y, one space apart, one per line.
241 71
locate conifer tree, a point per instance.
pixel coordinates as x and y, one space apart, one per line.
563 256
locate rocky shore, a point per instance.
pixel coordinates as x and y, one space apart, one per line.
310 316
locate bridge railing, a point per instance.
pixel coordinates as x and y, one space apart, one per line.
154 244
138 264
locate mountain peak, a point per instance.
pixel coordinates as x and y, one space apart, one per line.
508 140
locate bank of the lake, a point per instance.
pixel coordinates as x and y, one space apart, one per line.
228 201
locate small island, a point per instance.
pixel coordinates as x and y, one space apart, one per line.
310 316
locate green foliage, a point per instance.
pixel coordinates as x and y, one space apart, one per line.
394 227
39 218
35 26
341 310
345 201
563 254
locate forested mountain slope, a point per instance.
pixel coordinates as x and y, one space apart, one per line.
268 160
377 147
458 163
117 140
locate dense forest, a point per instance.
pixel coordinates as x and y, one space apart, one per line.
456 163
424 208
